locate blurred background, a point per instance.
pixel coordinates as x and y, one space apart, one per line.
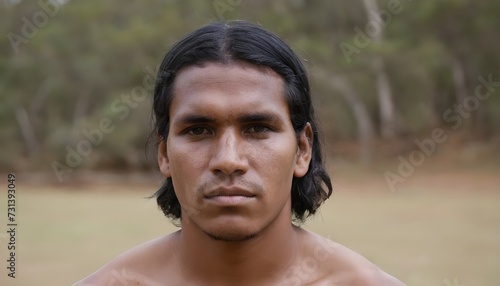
407 94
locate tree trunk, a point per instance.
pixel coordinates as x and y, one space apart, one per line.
365 130
81 106
460 84
27 132
459 80
385 98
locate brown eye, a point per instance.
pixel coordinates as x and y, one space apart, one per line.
198 131
258 129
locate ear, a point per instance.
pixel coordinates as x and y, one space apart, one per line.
304 151
163 161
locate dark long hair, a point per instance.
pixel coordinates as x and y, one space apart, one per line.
226 42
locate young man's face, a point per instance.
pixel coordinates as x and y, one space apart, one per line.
231 149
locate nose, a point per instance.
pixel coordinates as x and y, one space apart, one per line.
228 156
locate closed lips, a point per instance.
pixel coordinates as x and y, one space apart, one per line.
229 192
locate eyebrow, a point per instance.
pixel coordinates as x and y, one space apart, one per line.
193 119
258 117
245 118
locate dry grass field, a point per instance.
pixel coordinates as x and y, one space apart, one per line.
437 228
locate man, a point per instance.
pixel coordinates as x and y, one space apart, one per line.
238 145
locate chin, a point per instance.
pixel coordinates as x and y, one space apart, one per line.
231 231
231 236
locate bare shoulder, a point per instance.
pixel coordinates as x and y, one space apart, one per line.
342 266
133 267
372 277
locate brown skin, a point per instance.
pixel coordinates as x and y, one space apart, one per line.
232 153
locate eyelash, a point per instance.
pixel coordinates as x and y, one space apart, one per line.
266 128
190 130
207 131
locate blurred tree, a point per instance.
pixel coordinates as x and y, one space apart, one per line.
66 67
384 90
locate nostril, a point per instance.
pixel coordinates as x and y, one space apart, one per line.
228 154
228 163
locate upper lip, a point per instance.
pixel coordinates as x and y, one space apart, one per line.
229 191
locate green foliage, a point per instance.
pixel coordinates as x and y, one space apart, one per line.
67 73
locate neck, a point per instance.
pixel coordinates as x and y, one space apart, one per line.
255 261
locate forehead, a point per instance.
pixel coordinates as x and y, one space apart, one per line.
228 89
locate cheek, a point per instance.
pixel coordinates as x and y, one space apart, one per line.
276 163
184 156
186 166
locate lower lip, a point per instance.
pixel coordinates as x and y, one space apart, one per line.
230 200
